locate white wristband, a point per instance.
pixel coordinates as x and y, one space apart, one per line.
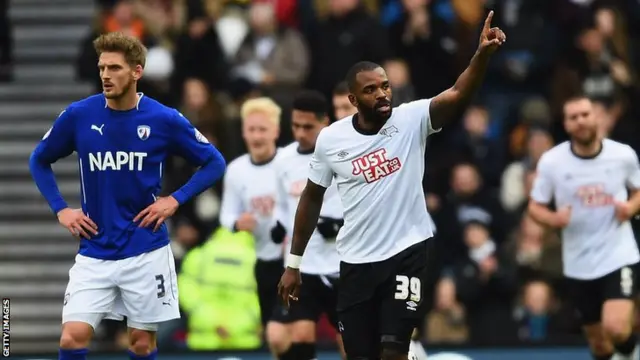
293 261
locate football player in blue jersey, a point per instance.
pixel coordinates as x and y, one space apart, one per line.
124 266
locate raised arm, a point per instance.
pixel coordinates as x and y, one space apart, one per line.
451 102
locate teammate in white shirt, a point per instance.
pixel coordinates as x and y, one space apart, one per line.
376 157
249 195
292 332
587 178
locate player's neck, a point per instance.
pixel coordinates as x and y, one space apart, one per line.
366 126
263 158
586 151
127 101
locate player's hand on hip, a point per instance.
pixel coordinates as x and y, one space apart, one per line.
623 211
246 222
491 38
78 224
156 213
289 286
563 217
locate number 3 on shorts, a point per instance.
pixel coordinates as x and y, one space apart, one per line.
408 288
161 289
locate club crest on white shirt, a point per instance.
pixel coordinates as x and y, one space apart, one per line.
143 132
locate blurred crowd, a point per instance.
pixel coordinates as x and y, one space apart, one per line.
501 278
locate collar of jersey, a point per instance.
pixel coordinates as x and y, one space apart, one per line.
140 95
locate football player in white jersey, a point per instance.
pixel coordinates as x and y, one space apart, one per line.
342 108
376 158
291 333
248 204
588 180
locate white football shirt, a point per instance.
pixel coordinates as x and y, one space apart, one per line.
594 243
379 179
251 188
292 171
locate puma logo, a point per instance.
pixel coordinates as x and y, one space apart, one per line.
98 129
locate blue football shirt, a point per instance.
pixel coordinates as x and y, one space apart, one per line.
121 156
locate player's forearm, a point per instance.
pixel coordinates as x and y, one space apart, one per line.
541 214
306 219
46 182
203 179
634 202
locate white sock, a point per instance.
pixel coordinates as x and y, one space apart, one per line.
416 351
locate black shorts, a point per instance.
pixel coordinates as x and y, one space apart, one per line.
268 275
380 304
318 295
588 296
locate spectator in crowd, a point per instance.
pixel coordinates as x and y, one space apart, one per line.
342 106
513 195
424 40
398 74
265 55
218 293
538 313
537 252
446 323
468 201
477 146
485 283
348 35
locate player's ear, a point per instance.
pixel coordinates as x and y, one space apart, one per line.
137 72
353 100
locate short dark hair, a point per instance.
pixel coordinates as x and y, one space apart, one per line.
577 97
358 68
311 101
341 89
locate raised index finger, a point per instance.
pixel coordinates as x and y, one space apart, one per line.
487 21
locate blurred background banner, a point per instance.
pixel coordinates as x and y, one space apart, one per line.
207 57
471 354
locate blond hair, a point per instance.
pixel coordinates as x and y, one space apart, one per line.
263 105
135 53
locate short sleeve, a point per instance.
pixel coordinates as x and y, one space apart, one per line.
320 172
188 142
542 189
419 111
59 141
633 170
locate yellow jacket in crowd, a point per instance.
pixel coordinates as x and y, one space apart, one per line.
218 293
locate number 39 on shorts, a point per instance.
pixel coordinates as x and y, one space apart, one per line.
408 288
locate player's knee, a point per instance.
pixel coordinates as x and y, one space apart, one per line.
616 328
303 332
278 338
75 335
141 342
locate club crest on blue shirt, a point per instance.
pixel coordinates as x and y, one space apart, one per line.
143 132
201 138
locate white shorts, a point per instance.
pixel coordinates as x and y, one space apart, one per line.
143 288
